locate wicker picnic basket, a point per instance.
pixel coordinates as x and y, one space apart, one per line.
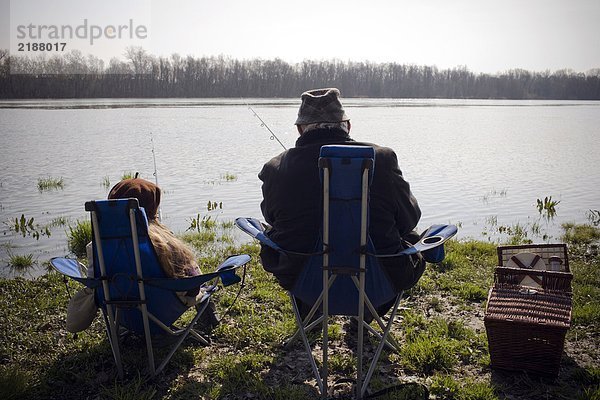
526 325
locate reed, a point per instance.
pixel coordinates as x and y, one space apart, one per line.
127 175
229 177
78 237
106 182
50 183
21 263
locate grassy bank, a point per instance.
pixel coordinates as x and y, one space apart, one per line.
444 345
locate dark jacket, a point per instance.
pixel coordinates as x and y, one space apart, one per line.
292 203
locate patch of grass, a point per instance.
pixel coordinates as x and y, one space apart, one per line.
204 223
128 175
342 364
135 389
580 235
426 355
239 374
13 383
200 239
226 238
206 245
78 237
404 390
106 182
446 387
466 272
58 221
592 393
50 183
471 292
33 335
586 293
425 285
438 345
436 304
227 224
229 177
590 378
586 279
21 263
586 305
209 236
204 242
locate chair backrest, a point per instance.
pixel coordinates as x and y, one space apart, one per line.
120 227
347 172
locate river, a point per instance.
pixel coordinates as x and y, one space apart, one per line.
481 164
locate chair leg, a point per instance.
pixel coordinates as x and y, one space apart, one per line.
189 329
311 313
390 341
149 348
382 325
382 343
113 339
307 347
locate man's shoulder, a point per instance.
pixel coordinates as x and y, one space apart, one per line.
270 165
273 165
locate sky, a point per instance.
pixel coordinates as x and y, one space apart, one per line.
483 35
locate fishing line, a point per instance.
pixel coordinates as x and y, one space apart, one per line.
155 174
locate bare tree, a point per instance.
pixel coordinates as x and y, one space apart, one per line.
144 75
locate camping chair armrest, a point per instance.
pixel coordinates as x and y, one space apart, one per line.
431 244
228 267
73 269
254 228
225 271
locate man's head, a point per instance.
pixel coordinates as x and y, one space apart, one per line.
147 193
322 107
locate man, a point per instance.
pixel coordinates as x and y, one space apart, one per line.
292 196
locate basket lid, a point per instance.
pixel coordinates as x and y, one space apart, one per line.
529 306
527 260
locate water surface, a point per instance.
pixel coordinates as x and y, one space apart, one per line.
477 163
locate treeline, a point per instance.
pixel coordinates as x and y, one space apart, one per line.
74 75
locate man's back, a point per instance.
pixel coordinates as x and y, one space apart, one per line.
292 201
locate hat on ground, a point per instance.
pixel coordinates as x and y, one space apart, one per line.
321 105
147 193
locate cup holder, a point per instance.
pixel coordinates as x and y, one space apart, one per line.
432 239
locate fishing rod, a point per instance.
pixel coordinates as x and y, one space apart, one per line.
263 123
155 173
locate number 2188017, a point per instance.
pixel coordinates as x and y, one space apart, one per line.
56 46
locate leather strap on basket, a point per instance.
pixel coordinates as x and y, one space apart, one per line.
532 264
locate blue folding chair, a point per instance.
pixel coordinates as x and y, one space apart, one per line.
131 289
345 262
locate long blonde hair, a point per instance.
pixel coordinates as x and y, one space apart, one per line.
176 258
